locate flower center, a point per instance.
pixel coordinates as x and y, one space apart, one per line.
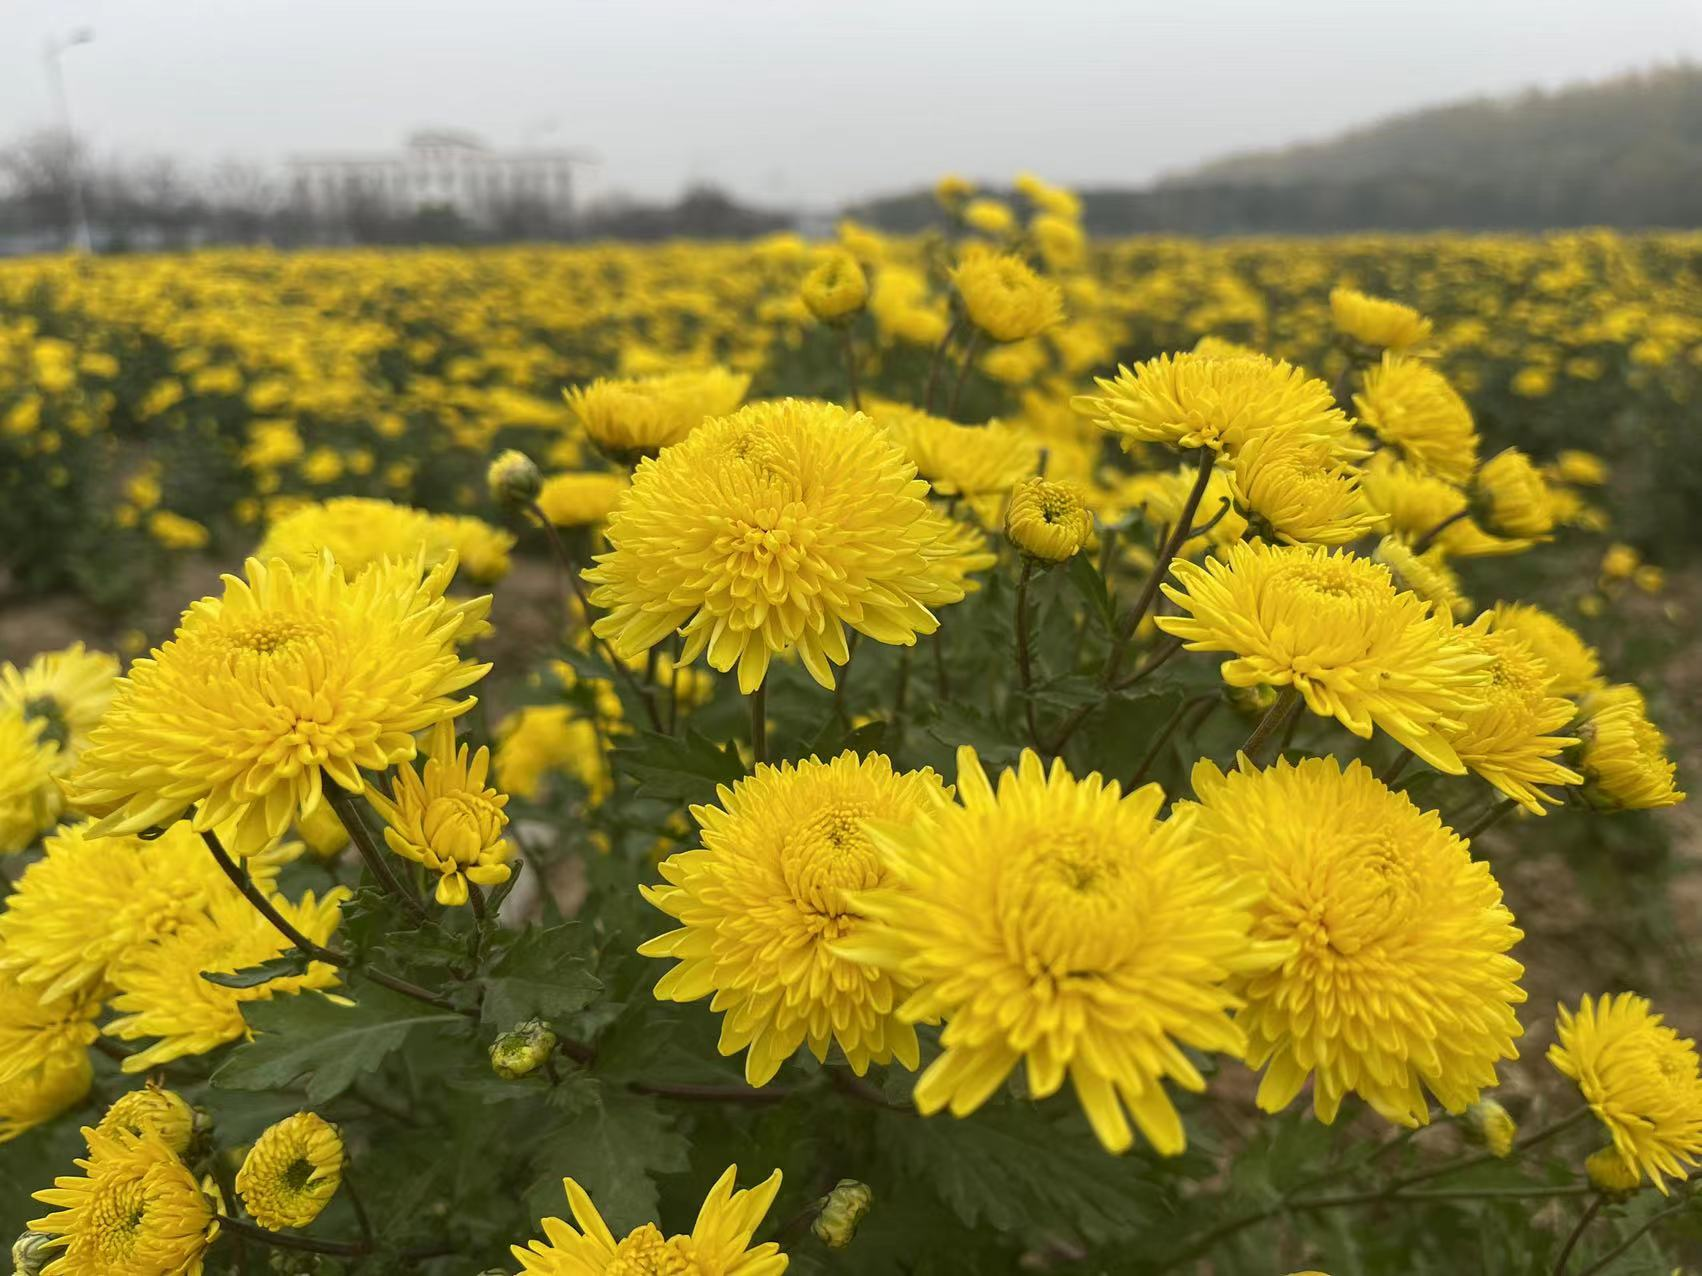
827 857
46 710
645 1252
115 1219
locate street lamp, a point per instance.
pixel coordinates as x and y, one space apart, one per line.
62 106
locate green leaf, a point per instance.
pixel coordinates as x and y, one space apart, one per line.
1084 574
291 963
678 770
329 1045
614 1148
833 739
543 975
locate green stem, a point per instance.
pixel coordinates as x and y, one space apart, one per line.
354 824
1275 718
850 350
937 361
969 349
1577 1233
1429 538
1161 566
759 723
1023 664
1637 1234
1490 818
254 895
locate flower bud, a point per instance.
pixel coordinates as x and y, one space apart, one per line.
513 479
1048 521
1491 1125
522 1050
31 1252
1611 1173
836 289
154 1110
842 1209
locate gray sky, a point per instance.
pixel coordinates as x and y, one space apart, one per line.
802 102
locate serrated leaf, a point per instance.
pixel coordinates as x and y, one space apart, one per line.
309 1037
1084 575
614 1148
668 769
543 975
291 963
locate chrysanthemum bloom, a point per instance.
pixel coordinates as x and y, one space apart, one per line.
360 532
971 552
512 478
1375 321
1427 575
538 740
446 817
29 798
764 899
37 1097
904 310
1571 661
89 900
1641 1080
1417 502
1303 489
719 1244
1574 465
289 678
770 531
1412 407
1517 500
1399 980
642 415
1049 520
1060 240
579 500
990 217
1194 400
1624 760
1058 923
1609 1172
1507 738
1004 298
67 690
480 549
153 1110
1332 626
38 1033
135 1211
959 460
292 1172
160 992
836 288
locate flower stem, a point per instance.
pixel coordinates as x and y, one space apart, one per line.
759 723
1163 738
850 348
1637 1234
1429 538
1490 817
935 363
254 895
1275 718
713 1093
354 823
1397 764
361 1219
1577 1233
1161 567
278 1240
1023 665
969 349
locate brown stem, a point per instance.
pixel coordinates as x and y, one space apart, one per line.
1023 665
361 1220
1161 567
278 1240
1637 1234
1275 718
1577 1233
759 723
1429 538
1162 739
252 893
1397 764
1490 818
354 823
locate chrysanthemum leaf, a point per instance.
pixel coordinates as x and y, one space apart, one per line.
678 770
613 1148
544 975
291 963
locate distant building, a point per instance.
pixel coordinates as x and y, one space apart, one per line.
438 168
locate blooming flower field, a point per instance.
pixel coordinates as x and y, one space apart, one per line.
987 752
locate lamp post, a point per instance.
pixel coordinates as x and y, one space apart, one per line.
81 237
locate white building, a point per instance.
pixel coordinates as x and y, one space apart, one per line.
438 168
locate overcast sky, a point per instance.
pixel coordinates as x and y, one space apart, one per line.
804 102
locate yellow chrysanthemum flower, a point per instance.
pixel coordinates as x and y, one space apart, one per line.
160 992
446 817
480 549
291 1173
1333 627
1194 400
135 1211
1059 923
1061 242
1516 498
38 1033
1493 1126
1624 760
153 1110
579 500
763 901
289 679
1571 661
1427 575
959 460
1574 465
1048 519
359 532
37 1097
642 415
89 900
1412 407
1640 1078
836 288
1506 738
770 531
1375 321
67 690
1399 979
990 217
1417 502
718 1245
29 797
1609 1171
537 740
1302 489
1003 297
970 552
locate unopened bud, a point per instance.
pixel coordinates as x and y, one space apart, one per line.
842 1209
1254 701
1491 1124
1611 1173
836 289
31 1252
513 479
522 1050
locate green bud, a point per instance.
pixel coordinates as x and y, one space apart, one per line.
842 1209
513 479
522 1050
1491 1124
31 1252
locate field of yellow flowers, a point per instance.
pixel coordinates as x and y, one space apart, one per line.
987 752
